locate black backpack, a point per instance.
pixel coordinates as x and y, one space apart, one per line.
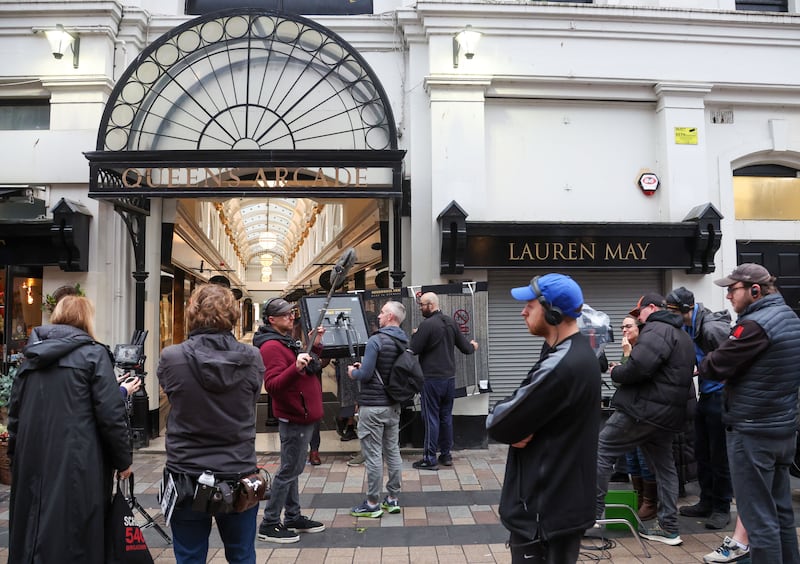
405 378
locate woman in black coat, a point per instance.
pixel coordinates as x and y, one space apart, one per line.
68 432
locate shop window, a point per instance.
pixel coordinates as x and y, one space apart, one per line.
24 114
22 309
763 5
767 192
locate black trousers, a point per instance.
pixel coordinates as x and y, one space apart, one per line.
560 550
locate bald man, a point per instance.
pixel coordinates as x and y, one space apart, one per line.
434 342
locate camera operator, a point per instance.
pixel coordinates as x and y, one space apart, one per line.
297 403
128 384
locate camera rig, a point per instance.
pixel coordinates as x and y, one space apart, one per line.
130 357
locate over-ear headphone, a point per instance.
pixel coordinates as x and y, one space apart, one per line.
755 290
673 298
552 314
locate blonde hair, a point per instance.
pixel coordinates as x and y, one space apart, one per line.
76 311
212 307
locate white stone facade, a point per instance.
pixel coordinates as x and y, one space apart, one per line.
553 120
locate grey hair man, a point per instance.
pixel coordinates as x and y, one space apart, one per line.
378 414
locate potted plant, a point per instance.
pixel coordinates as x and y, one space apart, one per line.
6 382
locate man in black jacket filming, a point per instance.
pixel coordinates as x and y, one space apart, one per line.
650 408
551 423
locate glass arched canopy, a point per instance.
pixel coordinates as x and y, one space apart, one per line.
248 103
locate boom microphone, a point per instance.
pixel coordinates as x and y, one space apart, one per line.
342 267
338 276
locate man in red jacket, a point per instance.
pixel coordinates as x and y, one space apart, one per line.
297 403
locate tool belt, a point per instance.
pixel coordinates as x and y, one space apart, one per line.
229 494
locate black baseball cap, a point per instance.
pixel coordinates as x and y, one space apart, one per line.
276 307
651 298
679 298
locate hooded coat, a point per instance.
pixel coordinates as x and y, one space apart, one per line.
212 382
68 432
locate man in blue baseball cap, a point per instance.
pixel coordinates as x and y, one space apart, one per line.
551 422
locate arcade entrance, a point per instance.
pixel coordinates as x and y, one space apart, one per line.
276 140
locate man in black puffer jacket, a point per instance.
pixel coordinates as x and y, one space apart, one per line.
759 365
650 408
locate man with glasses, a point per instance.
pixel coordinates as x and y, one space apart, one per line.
650 404
297 403
760 368
433 341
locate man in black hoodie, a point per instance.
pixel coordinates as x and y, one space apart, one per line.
650 408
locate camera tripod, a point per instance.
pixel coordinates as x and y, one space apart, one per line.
136 507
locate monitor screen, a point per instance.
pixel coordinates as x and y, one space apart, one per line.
128 354
344 320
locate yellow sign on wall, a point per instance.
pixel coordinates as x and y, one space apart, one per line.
686 136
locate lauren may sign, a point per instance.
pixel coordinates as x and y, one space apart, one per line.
596 252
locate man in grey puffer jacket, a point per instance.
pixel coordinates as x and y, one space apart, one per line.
650 408
758 364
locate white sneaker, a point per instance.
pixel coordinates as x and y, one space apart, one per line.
728 551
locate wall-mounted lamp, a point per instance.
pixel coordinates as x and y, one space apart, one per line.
60 40
465 41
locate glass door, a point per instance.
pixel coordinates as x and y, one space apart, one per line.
21 309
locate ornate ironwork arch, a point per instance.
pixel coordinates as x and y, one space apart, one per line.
248 79
240 89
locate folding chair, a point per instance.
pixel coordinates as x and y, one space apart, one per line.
626 523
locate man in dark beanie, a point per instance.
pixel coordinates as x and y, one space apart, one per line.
297 403
708 330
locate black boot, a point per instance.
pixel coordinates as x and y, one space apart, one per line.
349 434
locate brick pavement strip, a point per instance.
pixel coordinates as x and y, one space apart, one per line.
437 508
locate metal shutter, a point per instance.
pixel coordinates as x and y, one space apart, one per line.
512 350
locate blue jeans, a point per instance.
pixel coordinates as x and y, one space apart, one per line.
637 465
621 434
437 415
190 530
764 496
711 453
294 451
379 433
